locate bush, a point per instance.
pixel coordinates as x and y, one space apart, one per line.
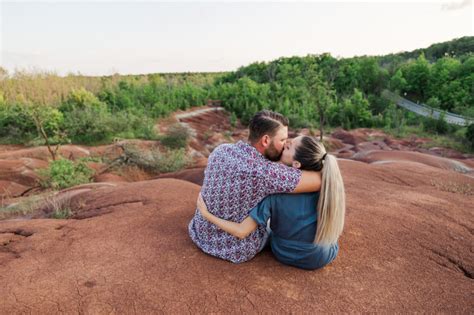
171 161
133 125
16 124
439 125
156 161
64 173
88 126
470 135
86 118
177 137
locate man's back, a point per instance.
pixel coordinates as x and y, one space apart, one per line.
237 177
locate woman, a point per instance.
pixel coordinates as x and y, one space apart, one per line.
304 227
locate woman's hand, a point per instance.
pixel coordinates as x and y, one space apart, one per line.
240 230
201 205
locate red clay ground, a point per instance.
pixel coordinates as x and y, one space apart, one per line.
380 156
406 247
407 244
209 126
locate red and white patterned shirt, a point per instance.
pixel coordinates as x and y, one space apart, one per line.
236 179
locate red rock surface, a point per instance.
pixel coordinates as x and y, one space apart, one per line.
109 177
42 153
18 176
377 156
9 189
194 175
351 137
406 247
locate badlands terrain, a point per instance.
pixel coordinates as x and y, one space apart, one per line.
407 245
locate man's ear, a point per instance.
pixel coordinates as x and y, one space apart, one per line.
266 141
296 164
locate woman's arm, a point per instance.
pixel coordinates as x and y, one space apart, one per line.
240 230
309 182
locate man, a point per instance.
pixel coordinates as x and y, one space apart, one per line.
238 176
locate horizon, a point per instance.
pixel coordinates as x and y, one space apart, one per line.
180 37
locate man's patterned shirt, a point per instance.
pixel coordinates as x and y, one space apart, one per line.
236 179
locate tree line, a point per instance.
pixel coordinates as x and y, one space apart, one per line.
315 91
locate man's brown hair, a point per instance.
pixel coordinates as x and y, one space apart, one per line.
265 122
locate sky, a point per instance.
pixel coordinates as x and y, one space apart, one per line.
127 37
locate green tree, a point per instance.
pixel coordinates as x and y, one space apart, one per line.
417 75
49 123
360 113
394 118
398 82
321 95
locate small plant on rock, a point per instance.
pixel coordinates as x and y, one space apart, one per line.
154 160
177 137
64 173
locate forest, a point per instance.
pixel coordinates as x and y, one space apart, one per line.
315 91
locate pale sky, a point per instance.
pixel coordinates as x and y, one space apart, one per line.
105 37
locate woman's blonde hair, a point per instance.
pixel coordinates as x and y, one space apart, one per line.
332 202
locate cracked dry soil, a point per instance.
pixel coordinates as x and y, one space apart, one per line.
406 247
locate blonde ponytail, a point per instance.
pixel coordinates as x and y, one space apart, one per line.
332 203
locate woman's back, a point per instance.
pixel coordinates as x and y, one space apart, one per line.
293 221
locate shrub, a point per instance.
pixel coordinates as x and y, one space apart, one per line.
154 160
470 135
64 173
171 161
133 125
439 125
177 137
87 119
16 124
433 102
88 126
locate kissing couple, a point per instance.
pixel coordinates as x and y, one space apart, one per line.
272 190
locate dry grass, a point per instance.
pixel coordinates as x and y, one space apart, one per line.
133 173
47 88
50 203
464 189
58 208
23 206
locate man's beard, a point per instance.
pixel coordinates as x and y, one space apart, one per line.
272 153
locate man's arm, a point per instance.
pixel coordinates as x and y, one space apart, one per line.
309 182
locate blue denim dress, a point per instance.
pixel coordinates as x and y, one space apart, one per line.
293 222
